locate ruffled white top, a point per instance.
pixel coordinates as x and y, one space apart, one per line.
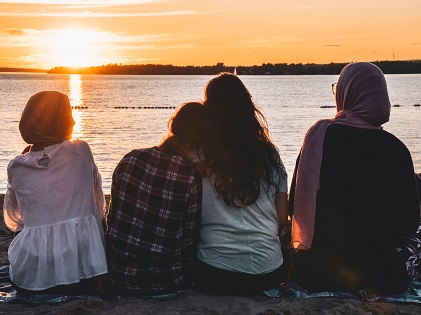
54 197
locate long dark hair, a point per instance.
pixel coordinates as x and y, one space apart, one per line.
237 152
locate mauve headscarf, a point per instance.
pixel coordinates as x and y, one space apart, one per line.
46 120
362 101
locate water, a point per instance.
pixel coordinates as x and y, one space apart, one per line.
291 105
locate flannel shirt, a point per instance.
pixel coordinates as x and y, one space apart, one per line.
153 223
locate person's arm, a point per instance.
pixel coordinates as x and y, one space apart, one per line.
98 193
11 212
99 200
405 196
281 205
292 188
418 178
191 223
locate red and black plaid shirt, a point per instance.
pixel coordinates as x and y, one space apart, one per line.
153 222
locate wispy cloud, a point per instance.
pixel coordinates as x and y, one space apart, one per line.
117 44
88 8
310 7
31 37
155 46
90 14
267 41
13 32
60 44
332 45
82 2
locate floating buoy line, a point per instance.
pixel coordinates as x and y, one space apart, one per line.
173 107
144 107
399 105
394 105
131 107
79 107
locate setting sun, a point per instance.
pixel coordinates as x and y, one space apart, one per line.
74 48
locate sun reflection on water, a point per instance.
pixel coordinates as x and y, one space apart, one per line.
76 100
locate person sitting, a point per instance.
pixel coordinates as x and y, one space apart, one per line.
153 220
353 198
54 200
244 195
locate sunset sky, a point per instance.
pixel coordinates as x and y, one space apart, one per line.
44 34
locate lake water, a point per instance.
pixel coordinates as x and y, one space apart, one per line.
291 105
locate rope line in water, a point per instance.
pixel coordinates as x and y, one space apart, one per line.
131 107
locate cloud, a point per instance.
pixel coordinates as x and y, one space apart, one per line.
309 7
90 46
155 46
267 41
13 32
87 8
81 2
106 41
91 14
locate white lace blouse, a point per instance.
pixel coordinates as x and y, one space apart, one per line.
54 198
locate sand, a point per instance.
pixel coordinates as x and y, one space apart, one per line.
194 302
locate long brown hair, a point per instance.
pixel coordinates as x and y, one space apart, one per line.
237 151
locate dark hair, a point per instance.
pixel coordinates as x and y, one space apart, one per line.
185 129
237 152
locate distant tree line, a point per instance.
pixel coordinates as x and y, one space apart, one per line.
21 70
388 67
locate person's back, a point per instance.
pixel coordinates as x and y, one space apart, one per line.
47 194
154 216
361 214
55 201
240 239
245 195
353 197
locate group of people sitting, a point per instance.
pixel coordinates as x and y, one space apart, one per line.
208 208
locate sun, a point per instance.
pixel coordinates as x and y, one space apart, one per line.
74 48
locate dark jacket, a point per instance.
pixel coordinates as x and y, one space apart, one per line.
367 201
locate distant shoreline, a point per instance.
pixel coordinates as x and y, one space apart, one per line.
387 66
23 70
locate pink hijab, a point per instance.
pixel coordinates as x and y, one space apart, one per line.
46 120
362 101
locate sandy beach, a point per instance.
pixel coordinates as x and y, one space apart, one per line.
193 302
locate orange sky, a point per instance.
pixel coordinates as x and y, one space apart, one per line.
45 34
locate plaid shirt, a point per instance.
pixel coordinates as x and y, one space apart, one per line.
153 222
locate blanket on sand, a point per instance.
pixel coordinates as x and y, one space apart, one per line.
9 295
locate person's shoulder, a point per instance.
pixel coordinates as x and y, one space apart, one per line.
391 137
394 142
321 123
138 152
182 162
18 159
76 145
136 156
